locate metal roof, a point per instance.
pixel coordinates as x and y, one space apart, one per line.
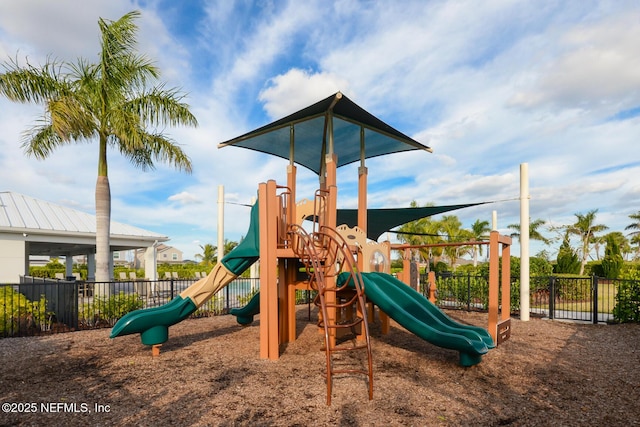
53 229
307 129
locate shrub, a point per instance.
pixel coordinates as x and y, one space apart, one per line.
107 311
627 308
612 262
19 313
244 300
567 261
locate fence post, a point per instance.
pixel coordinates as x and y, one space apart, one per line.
594 292
552 296
468 291
171 287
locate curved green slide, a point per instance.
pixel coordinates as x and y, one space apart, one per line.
417 314
153 323
244 315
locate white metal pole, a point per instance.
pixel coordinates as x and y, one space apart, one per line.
220 235
220 222
524 242
494 221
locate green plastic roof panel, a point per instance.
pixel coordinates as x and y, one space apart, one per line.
311 141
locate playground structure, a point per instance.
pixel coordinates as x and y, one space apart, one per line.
348 270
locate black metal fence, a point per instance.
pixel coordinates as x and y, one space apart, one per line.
589 299
39 306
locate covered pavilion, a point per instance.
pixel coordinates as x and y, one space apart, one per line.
29 226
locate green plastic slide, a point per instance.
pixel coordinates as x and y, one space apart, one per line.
418 315
153 323
245 315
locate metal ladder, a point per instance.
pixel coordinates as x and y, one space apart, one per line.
325 254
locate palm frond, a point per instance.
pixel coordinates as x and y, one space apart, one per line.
29 84
41 140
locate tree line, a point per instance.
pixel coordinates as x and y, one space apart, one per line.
580 242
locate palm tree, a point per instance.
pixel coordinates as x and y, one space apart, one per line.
451 226
108 101
635 235
534 234
585 228
479 230
230 245
634 225
208 255
420 232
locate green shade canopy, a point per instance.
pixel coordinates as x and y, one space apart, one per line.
380 221
310 136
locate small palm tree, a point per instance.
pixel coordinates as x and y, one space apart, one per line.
634 225
635 235
451 226
108 102
208 255
421 232
479 232
534 233
585 228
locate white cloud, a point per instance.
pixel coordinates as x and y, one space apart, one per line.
596 65
296 89
185 198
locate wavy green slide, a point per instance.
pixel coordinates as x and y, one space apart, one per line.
153 323
417 314
244 315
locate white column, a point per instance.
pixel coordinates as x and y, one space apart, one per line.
221 234
524 242
68 261
14 259
220 222
150 263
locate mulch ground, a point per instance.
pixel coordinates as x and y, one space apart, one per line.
210 373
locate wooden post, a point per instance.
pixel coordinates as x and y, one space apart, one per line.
499 309
269 345
406 266
155 350
432 286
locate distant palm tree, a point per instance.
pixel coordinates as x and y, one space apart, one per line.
585 228
229 245
479 232
208 255
108 101
534 234
635 235
420 232
451 227
634 225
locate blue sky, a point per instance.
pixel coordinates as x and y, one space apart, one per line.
488 85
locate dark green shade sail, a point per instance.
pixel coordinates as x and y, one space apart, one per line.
380 221
311 139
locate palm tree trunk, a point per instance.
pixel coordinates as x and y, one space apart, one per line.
103 230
